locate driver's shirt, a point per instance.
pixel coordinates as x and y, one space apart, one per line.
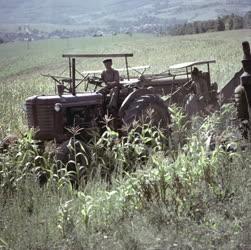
201 88
111 75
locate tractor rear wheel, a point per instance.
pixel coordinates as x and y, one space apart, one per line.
147 109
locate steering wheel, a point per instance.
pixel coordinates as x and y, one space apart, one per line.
95 80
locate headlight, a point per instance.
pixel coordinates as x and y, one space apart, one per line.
58 107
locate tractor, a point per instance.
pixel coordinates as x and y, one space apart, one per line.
243 93
77 104
79 101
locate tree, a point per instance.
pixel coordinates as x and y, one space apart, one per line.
228 21
220 25
237 22
196 28
247 20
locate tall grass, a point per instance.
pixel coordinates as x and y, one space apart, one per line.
154 197
144 191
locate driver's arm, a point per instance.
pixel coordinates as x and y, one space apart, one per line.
103 76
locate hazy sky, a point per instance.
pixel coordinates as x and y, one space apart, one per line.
79 11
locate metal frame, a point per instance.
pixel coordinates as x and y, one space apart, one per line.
189 67
96 55
181 69
72 69
72 64
191 64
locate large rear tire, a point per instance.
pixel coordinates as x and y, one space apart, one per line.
147 109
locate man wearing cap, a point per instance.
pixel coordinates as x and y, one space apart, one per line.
110 77
200 85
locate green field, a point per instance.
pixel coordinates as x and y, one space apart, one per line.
180 197
21 67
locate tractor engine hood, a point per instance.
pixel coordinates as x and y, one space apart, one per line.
46 115
78 100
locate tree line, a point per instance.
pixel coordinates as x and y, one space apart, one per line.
227 22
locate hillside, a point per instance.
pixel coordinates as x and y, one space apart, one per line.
104 12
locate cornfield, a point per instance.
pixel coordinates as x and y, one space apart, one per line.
143 191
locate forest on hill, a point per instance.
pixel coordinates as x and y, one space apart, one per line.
228 22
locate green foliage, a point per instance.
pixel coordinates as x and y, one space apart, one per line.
142 191
227 22
22 160
148 184
130 152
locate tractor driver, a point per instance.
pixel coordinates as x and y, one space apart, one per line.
200 86
111 78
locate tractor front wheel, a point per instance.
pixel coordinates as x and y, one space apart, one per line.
147 109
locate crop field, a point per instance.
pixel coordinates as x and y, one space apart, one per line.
21 68
161 193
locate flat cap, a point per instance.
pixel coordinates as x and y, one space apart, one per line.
107 61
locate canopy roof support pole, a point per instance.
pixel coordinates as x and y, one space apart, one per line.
73 76
127 68
70 67
208 70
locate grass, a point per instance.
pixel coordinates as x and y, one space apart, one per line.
181 196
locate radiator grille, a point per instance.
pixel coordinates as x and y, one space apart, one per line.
30 117
40 117
45 118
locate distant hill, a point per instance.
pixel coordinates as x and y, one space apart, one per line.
103 13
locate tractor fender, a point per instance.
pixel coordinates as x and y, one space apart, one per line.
227 92
130 98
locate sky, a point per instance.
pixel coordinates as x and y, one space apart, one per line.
68 11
